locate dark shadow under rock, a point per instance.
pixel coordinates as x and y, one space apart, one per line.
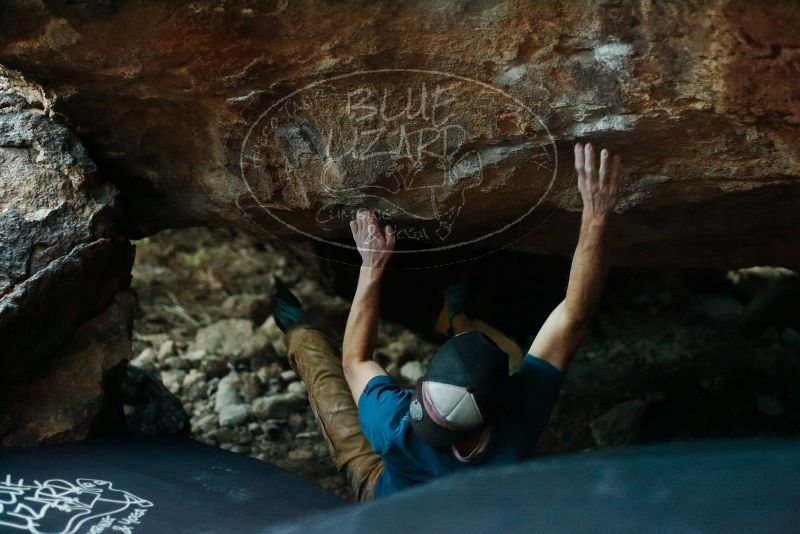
149 407
77 394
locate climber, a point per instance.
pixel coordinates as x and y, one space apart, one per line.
467 410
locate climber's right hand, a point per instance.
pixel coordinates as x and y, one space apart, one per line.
374 243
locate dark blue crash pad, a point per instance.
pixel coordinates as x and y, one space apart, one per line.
734 487
177 486
172 485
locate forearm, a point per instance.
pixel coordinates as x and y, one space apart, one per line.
362 322
589 269
564 329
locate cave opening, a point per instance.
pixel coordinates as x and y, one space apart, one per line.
672 354
137 325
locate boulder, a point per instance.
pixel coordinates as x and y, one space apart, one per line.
275 335
256 308
150 408
394 352
194 384
278 406
297 388
227 394
620 425
250 387
233 415
713 308
65 314
412 372
234 339
145 360
289 376
172 379
204 424
78 391
463 115
777 304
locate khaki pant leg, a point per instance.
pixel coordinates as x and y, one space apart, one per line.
318 364
505 343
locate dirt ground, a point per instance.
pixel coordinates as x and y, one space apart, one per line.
671 355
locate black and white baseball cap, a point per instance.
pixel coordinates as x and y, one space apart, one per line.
464 385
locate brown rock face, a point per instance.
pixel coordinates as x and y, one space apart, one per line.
62 263
203 113
76 393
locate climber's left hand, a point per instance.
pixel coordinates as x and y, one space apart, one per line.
599 190
374 243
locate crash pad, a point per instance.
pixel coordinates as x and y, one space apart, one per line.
169 485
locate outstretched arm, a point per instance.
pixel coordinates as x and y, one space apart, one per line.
375 244
566 326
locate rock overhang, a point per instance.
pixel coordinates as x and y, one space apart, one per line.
698 99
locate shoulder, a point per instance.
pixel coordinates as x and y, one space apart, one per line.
382 407
383 389
533 369
536 386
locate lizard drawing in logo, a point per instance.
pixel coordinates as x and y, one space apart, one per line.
59 506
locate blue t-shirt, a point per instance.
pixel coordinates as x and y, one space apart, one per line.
383 416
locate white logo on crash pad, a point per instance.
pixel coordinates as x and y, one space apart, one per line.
59 506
